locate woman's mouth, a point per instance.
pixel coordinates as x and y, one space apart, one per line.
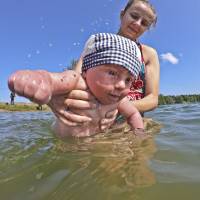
132 30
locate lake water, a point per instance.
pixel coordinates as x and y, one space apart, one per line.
34 165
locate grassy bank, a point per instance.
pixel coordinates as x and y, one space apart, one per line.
22 107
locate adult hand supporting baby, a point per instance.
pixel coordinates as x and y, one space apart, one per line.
83 99
43 87
60 105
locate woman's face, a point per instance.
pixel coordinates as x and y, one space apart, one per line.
136 20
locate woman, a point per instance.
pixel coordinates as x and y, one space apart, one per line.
137 17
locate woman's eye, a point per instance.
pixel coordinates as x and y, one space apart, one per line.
135 17
146 23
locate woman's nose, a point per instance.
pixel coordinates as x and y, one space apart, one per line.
138 21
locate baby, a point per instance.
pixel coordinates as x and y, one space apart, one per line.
110 65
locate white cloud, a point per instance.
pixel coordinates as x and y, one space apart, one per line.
170 58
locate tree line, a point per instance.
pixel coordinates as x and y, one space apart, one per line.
173 99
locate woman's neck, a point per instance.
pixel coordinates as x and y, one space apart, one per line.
121 34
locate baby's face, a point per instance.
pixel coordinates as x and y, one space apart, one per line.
109 83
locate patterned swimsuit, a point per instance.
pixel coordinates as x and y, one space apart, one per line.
138 86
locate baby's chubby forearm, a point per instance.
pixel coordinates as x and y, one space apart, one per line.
128 110
40 85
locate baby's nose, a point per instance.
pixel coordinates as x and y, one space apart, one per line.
120 84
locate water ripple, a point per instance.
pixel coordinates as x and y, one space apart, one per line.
36 165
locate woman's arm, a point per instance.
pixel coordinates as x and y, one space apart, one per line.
152 77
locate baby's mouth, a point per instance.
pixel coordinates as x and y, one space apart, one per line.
115 97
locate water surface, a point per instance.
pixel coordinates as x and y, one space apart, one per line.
35 165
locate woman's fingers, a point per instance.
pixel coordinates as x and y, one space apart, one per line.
106 125
79 104
74 117
64 120
112 114
107 122
68 117
61 117
80 99
81 95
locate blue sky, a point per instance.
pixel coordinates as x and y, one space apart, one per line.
48 34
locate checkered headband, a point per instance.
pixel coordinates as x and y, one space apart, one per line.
107 48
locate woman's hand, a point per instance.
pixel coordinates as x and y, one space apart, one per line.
63 113
80 99
64 105
109 120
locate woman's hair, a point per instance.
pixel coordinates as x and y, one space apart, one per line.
130 2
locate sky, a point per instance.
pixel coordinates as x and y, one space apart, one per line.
48 34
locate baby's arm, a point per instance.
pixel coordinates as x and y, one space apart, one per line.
128 110
39 86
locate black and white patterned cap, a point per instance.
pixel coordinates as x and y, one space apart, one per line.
107 48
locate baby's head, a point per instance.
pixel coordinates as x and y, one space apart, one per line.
110 65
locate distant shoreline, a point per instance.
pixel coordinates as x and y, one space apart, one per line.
21 107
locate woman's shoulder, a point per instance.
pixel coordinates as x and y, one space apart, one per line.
149 50
149 53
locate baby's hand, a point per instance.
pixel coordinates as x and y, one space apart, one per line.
127 109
